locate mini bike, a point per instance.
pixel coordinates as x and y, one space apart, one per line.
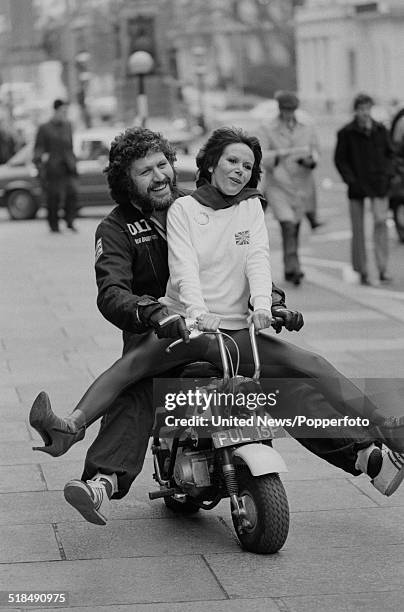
196 466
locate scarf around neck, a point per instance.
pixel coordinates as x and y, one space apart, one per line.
208 195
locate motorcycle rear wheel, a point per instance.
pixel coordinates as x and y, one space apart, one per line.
186 507
267 510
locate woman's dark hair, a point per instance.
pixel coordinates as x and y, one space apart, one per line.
209 155
128 146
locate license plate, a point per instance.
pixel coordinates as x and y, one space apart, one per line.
240 435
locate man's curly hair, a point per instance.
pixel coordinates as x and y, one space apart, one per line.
133 143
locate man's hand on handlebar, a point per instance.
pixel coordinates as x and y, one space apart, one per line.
261 319
292 319
165 325
208 322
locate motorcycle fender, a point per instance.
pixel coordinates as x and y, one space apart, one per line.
260 459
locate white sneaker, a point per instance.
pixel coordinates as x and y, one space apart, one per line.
370 460
391 474
91 498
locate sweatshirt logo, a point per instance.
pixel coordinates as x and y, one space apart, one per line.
242 237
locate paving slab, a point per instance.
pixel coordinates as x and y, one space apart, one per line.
41 373
22 543
364 485
147 537
56 474
14 431
364 527
325 494
227 605
292 572
8 395
329 316
64 394
18 453
302 464
392 601
110 582
14 478
35 508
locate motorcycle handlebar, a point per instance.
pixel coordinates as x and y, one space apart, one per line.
195 332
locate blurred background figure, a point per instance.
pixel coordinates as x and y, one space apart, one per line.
363 157
290 156
8 145
56 163
397 183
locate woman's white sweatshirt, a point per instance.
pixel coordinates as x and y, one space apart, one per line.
217 260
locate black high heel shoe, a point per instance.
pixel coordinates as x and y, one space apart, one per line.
58 434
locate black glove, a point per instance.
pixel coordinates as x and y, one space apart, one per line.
307 162
166 325
292 319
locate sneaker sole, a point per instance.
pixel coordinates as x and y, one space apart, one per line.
78 496
395 483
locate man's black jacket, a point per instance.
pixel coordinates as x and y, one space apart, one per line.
364 160
131 263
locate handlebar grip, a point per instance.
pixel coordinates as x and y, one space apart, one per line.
169 319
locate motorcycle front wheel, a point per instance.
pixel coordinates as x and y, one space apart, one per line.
267 511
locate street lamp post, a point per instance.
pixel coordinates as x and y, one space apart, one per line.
83 77
141 64
200 71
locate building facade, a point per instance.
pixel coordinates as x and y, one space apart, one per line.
347 46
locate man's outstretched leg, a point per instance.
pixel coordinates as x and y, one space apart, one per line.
353 450
116 456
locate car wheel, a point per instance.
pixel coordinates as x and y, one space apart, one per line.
21 205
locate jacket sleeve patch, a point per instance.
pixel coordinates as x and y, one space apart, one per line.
98 249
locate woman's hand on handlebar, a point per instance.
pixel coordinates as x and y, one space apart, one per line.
261 319
208 322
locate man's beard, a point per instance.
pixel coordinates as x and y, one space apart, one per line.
148 202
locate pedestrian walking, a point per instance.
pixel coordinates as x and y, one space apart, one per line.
363 157
7 142
290 156
396 193
56 163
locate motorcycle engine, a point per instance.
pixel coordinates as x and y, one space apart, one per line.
191 472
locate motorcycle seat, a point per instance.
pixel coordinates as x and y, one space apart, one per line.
200 369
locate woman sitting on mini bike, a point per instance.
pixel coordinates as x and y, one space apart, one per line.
218 258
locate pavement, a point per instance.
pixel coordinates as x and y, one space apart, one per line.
345 549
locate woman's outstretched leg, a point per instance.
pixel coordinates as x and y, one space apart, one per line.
149 358
345 397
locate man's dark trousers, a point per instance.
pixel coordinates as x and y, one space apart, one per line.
61 191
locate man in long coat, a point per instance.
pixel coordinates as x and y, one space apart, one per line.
290 155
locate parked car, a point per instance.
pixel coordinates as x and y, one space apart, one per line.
20 191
